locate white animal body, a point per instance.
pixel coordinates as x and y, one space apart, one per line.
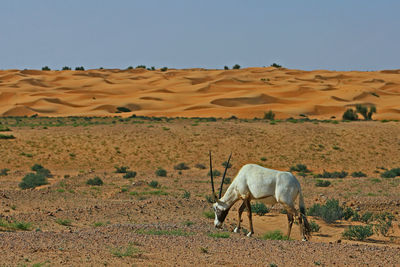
254 182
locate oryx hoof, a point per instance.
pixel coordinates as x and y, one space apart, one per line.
236 230
249 234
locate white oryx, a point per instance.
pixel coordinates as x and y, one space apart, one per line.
270 186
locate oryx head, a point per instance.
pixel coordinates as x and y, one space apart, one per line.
219 207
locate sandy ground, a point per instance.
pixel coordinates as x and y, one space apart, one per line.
161 226
244 93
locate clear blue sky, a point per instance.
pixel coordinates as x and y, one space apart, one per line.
311 34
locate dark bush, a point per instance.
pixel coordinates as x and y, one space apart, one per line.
270 115
32 180
123 109
322 183
358 232
358 174
39 169
350 115
7 136
141 67
363 110
4 172
95 181
225 163
227 180
384 222
80 68
329 212
154 184
259 208
348 213
46 68
200 166
161 172
226 68
164 69
129 174
391 173
276 65
334 174
66 68
181 166
367 217
122 169
215 173
314 227
299 168
236 67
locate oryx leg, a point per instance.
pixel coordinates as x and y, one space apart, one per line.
291 214
248 206
241 209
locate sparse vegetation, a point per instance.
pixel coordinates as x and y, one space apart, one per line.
200 166
130 174
64 222
164 69
225 163
314 227
219 235
80 68
358 174
15 225
209 214
181 166
299 168
329 212
259 208
274 235
275 65
391 173
322 183
334 174
122 169
129 251
270 115
363 110
350 115
161 172
236 67
358 232
4 172
154 184
96 181
32 180
186 194
7 136
66 68
215 173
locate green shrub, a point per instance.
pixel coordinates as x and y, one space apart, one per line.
363 110
299 168
161 172
154 184
358 174
141 67
263 158
64 222
259 208
225 163
367 217
46 68
334 174
236 67
227 180
358 232
215 173
7 136
122 169
164 69
270 115
209 199
209 214
329 212
39 169
322 183
314 227
66 68
226 68
384 223
274 235
181 166
129 174
276 65
32 180
391 173
350 115
200 166
95 181
356 217
348 213
186 194
4 172
80 68
219 235
129 251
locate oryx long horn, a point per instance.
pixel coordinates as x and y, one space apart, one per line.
212 180
223 177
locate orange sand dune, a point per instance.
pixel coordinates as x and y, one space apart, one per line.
244 93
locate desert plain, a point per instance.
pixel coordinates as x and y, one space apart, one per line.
86 124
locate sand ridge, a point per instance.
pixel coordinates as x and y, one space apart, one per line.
245 93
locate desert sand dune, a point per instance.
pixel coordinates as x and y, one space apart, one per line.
244 93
